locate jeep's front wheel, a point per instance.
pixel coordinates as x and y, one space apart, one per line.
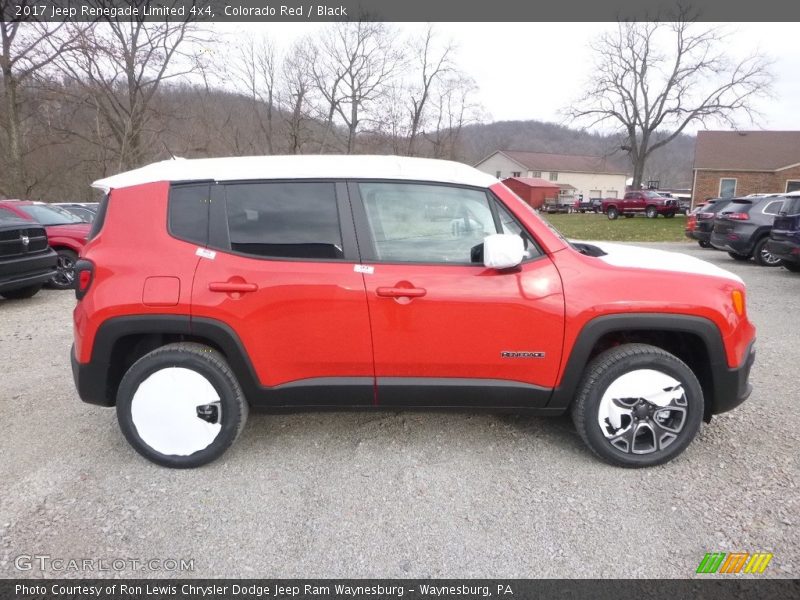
638 406
181 406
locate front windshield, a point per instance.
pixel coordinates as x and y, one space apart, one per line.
50 215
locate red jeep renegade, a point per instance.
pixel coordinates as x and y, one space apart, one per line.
210 286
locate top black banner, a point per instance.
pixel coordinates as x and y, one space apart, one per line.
397 10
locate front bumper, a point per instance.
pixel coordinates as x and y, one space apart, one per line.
27 270
732 386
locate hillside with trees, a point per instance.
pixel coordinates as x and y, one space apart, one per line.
82 101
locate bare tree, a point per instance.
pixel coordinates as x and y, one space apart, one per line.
652 79
298 81
454 108
121 65
27 50
432 67
254 69
356 61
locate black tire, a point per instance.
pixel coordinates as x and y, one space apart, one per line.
607 368
651 212
792 266
764 258
704 244
231 412
739 257
22 293
64 279
612 213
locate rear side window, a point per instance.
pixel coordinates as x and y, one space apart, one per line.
188 212
284 220
773 208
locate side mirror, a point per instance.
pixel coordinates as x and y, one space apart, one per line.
503 250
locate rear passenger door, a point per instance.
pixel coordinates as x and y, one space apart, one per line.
280 271
447 331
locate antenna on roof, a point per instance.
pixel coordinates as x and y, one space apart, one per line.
171 155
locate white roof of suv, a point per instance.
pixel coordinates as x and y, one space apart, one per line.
301 167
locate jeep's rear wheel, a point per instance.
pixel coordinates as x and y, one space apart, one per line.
612 213
763 257
638 406
181 406
704 244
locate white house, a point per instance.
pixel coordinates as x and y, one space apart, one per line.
590 176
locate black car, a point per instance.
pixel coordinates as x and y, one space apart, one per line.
784 240
701 222
26 260
742 228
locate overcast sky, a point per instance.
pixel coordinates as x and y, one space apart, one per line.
532 70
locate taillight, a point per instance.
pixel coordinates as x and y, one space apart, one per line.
737 216
84 275
691 224
705 215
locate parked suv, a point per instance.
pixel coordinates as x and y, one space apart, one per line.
700 223
211 286
784 238
649 203
742 228
26 261
66 234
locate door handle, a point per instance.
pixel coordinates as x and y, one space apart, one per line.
232 286
399 292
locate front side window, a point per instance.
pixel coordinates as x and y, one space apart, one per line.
426 223
727 188
510 225
284 220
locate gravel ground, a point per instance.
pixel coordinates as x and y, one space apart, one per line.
396 494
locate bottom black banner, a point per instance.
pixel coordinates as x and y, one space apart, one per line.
379 589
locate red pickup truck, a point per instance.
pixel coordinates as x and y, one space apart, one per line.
649 203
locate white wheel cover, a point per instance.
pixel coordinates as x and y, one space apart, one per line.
164 411
642 383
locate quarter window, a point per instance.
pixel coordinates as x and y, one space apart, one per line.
284 220
773 208
188 213
426 223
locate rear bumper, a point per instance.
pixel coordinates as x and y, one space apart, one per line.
721 242
732 386
90 381
27 270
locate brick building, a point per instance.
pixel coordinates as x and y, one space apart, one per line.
737 163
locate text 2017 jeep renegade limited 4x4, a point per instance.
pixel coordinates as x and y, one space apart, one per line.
211 286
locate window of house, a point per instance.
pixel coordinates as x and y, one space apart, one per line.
516 174
426 223
498 174
553 176
535 173
284 220
727 187
793 185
